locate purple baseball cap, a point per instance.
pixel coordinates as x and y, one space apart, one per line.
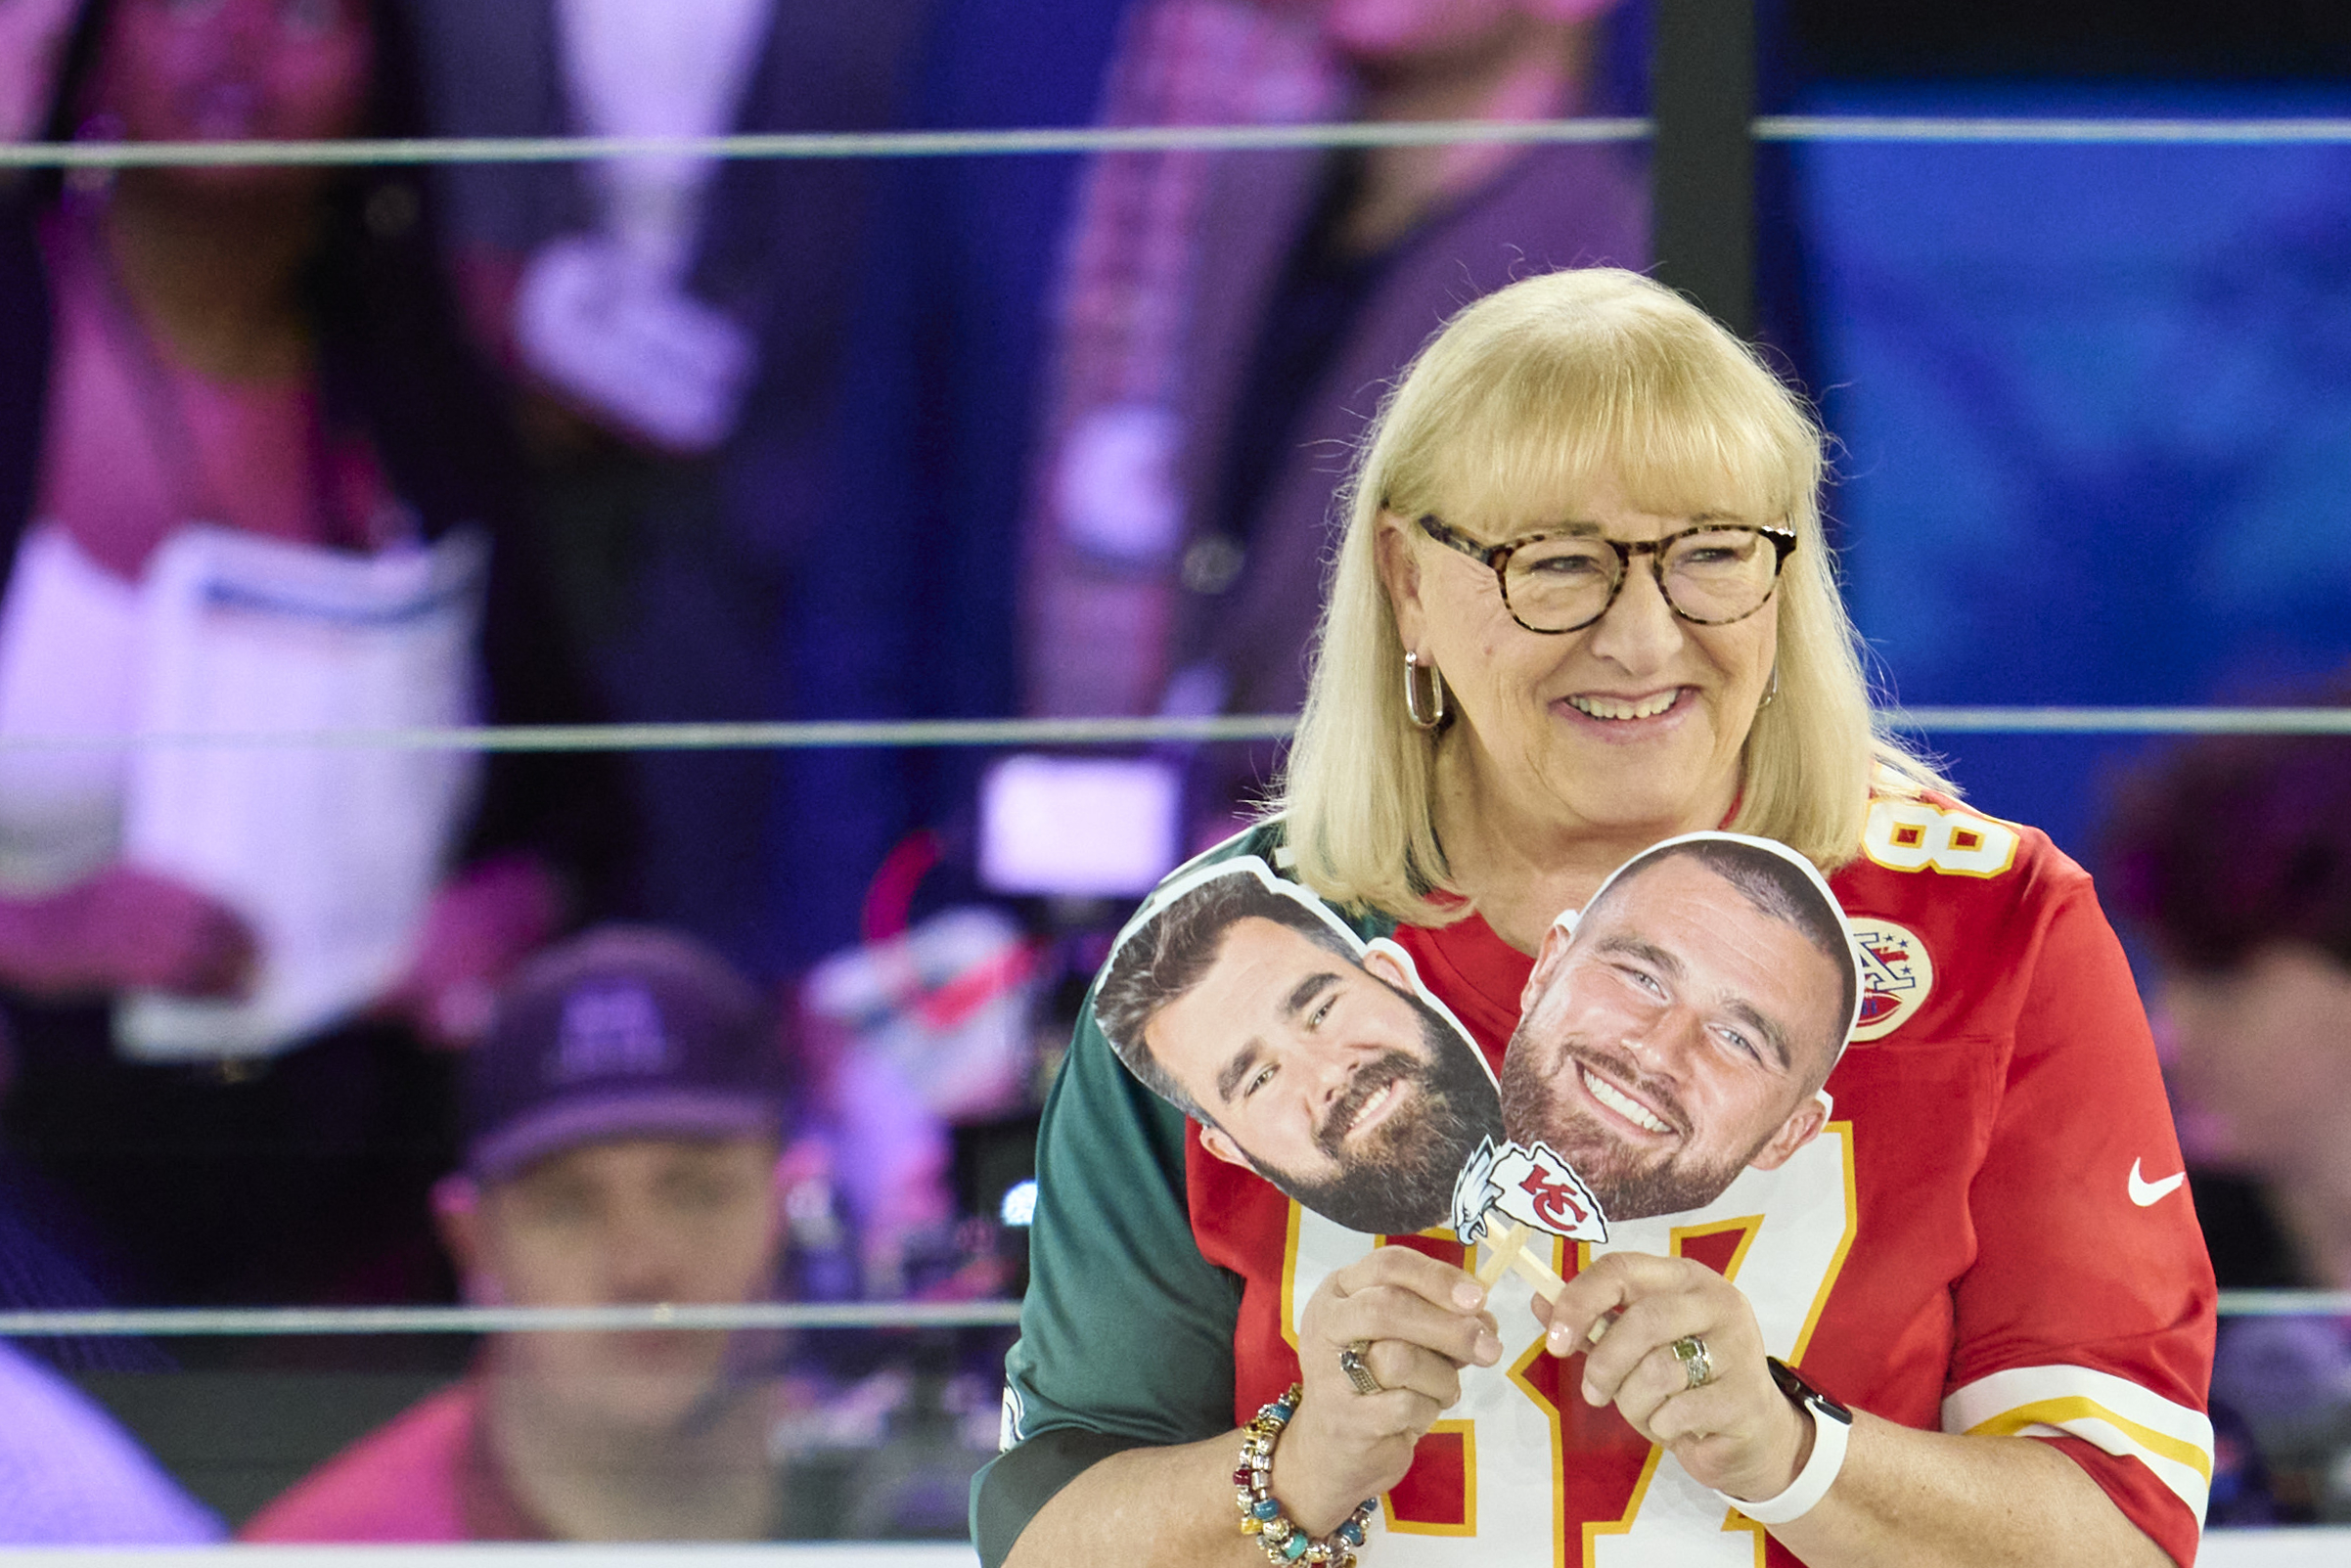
625 1032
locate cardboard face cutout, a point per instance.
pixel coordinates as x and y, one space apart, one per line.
1677 1030
1303 1052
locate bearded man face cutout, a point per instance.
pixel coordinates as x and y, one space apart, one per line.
1681 1031
1304 1054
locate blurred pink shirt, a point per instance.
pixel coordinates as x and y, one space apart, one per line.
423 1477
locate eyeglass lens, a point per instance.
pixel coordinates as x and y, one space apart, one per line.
1711 576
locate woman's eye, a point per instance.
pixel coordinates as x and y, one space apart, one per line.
1562 566
1714 552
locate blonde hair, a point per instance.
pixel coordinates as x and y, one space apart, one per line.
1513 408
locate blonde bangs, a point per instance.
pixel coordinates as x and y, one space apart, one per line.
1525 411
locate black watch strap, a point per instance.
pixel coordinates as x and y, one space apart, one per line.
1798 1388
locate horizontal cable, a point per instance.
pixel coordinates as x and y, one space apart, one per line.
2022 129
2286 1304
823 143
784 737
703 737
2122 721
269 1320
265 1320
2048 131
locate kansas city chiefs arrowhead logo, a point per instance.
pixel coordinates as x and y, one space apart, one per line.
1530 1185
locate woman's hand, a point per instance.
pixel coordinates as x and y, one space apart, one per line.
483 921
1738 1434
1425 1322
125 929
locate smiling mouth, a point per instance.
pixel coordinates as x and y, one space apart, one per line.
1381 1105
1619 709
1623 1103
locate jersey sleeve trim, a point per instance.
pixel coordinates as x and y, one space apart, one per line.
2113 1413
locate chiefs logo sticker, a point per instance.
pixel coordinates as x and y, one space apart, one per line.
1896 973
1525 1186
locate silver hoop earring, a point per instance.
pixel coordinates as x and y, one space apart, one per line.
1769 692
1424 715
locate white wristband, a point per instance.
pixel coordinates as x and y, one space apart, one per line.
1812 1483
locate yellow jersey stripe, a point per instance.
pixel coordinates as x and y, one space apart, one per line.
2061 1412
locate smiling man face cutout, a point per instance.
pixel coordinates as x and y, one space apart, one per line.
1304 1054
1681 1032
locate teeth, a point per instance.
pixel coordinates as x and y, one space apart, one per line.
1610 708
1373 1109
1630 1109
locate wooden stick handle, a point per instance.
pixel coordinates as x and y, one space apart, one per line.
1538 1273
1502 1252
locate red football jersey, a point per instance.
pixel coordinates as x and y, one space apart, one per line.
1990 1235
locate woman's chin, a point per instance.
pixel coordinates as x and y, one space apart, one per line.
1646 820
1665 789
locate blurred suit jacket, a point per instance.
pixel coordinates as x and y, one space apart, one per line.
725 588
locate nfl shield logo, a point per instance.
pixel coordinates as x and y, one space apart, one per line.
1896 973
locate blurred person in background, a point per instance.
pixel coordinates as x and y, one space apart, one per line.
70 1477
1226 321
1146 365
673 331
2233 855
248 388
625 1117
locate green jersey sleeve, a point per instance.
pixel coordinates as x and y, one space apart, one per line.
1126 1333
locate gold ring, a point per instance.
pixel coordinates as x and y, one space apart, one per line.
1351 1361
1697 1368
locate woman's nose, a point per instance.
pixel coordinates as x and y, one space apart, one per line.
1639 631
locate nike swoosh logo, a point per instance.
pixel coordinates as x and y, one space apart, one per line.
2144 1192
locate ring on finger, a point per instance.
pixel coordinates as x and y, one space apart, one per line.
1359 1371
1697 1366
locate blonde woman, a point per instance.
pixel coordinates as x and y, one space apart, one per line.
1954 1310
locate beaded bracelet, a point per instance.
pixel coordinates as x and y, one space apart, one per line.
1261 1516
